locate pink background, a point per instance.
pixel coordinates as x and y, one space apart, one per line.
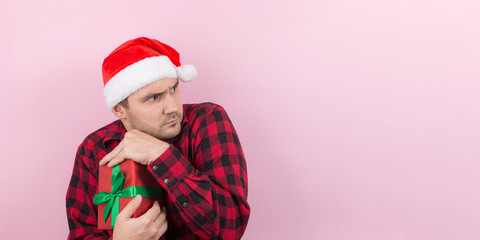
359 119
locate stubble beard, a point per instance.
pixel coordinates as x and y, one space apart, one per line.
157 131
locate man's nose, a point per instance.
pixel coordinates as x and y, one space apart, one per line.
170 105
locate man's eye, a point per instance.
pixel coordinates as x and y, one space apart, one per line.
173 89
152 98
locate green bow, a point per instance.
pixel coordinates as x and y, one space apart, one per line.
113 199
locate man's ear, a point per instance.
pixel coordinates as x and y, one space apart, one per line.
120 111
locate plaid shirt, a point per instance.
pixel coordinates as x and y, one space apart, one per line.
206 171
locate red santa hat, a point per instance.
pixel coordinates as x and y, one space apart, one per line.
137 63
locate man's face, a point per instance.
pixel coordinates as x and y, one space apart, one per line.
155 109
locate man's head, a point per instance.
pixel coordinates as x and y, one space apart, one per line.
155 109
141 78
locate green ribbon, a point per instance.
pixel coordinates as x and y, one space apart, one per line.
113 198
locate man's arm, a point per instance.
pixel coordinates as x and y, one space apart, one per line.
81 213
211 194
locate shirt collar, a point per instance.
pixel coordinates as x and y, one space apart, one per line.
115 132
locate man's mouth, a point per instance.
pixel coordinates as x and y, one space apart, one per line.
172 121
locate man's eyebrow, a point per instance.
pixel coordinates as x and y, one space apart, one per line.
176 84
153 94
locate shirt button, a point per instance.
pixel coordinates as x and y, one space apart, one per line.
185 204
166 181
155 168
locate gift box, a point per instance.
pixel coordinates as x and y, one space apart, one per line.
118 185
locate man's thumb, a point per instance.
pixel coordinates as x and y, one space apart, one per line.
131 207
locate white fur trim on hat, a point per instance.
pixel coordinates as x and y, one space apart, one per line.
136 76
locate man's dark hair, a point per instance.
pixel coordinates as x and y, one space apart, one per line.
124 103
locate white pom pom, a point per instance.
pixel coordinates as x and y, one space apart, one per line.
187 73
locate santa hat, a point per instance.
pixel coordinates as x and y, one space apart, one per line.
137 63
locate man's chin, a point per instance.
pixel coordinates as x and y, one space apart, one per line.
169 134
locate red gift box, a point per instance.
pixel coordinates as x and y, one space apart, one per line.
138 177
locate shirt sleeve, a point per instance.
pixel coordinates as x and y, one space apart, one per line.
81 212
209 190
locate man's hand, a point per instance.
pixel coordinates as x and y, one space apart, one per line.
138 146
151 225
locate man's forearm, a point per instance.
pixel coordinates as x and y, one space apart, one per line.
210 202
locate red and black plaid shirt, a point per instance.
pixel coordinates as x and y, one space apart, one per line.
206 171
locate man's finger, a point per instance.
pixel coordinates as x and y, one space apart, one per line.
117 159
160 218
111 154
161 230
131 207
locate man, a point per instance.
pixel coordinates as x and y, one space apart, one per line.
192 150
